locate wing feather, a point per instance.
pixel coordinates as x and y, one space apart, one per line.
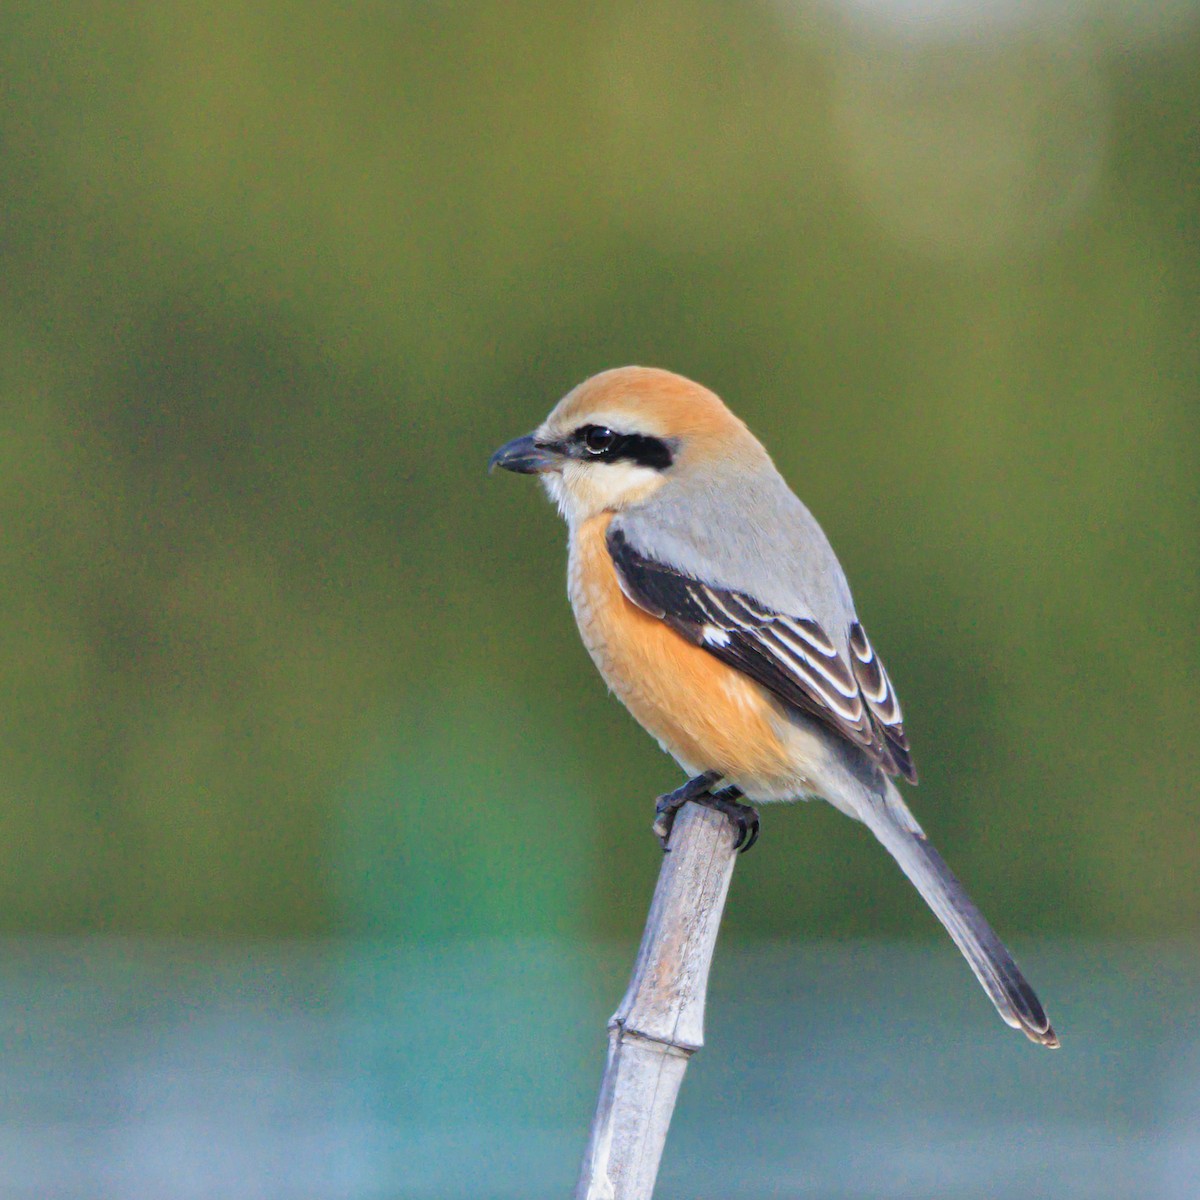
792 657
881 698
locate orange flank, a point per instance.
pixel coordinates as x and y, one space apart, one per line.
706 714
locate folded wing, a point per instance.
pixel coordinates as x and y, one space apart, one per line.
792 657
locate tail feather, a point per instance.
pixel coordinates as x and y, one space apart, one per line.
890 821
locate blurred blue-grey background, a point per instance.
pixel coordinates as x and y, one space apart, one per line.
322 849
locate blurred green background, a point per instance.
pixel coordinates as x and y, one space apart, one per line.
302 763
279 659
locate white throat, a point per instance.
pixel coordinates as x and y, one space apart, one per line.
582 490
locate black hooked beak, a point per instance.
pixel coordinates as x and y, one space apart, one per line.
524 456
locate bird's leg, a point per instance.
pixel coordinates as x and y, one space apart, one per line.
672 802
724 801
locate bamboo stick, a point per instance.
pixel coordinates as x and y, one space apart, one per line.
660 1022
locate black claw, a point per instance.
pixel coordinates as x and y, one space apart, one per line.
755 825
725 801
742 815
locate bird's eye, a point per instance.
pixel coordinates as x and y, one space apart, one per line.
597 439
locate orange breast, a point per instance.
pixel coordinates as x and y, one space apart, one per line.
706 714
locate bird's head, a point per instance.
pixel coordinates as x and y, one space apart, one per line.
616 439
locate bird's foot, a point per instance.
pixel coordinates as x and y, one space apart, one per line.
724 801
744 816
670 804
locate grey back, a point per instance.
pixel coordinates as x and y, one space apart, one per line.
747 531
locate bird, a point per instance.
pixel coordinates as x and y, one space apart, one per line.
715 609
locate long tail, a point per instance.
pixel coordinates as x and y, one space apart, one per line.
890 821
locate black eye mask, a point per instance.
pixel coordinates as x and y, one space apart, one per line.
599 443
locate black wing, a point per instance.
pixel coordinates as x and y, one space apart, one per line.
792 657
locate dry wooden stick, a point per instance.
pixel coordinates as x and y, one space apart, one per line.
660 1023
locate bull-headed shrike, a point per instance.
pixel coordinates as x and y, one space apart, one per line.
714 607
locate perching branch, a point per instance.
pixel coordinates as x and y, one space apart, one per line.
660 1023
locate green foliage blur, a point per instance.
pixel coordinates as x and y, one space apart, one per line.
278 657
